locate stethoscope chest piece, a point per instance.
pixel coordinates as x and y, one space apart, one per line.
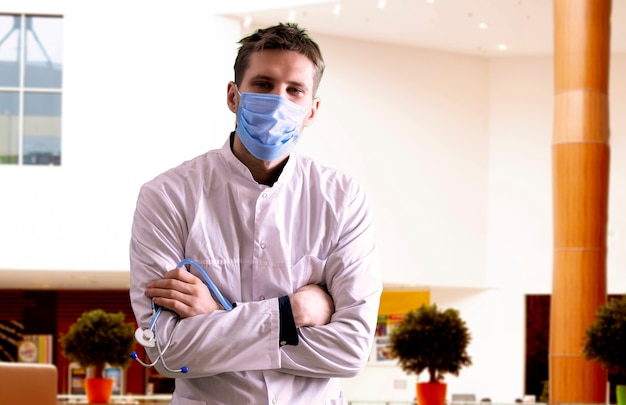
145 337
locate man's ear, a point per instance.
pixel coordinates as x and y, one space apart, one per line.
232 97
308 120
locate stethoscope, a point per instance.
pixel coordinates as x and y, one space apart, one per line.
147 336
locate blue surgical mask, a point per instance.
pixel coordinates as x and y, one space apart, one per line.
268 125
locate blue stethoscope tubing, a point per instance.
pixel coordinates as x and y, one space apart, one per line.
209 283
148 336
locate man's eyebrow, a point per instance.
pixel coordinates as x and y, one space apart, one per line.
262 77
273 80
298 84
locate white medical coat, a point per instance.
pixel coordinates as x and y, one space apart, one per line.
258 243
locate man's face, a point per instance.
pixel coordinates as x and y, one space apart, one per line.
285 73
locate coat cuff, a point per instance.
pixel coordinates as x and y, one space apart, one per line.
288 334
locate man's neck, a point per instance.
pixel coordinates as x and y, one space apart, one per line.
263 172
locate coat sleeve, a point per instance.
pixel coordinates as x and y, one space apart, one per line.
342 347
245 338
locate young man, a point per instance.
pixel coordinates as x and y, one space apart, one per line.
289 242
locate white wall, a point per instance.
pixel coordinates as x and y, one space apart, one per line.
518 253
414 130
144 89
520 183
455 151
616 239
520 188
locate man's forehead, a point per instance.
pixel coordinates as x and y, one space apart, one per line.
272 62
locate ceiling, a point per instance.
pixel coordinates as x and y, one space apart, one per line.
524 26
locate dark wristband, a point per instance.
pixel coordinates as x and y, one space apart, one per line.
288 334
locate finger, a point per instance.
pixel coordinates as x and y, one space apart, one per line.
164 286
159 294
171 277
174 305
182 274
186 309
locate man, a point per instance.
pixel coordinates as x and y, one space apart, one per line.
289 242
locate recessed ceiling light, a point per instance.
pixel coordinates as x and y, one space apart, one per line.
247 21
381 4
291 16
502 47
337 9
483 26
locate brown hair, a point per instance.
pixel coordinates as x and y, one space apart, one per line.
284 36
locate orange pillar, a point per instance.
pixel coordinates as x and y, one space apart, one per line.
580 173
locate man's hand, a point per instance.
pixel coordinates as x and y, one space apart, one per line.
182 292
311 306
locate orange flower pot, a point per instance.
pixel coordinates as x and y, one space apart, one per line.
98 390
431 393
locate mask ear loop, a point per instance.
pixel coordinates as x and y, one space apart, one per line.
238 94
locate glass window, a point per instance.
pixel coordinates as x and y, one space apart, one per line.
31 78
9 123
42 129
42 49
10 50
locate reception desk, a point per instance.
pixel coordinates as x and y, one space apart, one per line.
159 399
156 399
164 399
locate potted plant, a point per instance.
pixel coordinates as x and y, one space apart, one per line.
96 339
433 340
605 342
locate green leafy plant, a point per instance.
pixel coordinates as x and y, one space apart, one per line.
433 340
605 339
97 338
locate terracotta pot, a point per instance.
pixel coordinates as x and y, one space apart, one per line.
98 390
431 393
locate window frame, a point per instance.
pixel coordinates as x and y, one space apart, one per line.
22 90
